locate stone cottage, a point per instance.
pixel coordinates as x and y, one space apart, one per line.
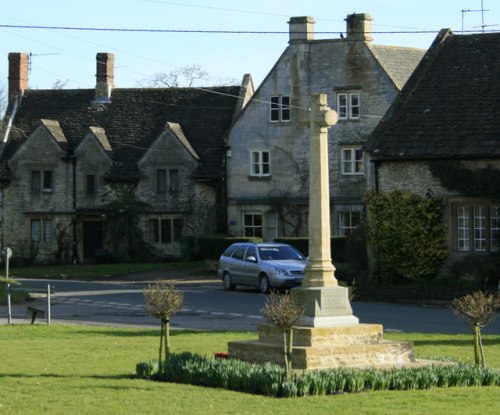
267 160
66 156
442 137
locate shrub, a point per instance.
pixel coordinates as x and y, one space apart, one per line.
270 380
407 234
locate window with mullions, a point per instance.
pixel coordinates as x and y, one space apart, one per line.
41 230
167 180
260 163
252 224
165 230
280 108
41 181
477 228
348 105
348 221
352 161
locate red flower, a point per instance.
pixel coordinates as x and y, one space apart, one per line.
221 355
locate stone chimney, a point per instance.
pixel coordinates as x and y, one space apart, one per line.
18 75
105 76
301 29
359 27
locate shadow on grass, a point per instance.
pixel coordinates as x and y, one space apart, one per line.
59 376
456 342
141 332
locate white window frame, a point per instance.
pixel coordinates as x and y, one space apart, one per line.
258 166
279 108
348 221
355 163
254 226
477 227
348 105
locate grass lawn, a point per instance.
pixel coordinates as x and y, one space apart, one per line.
92 272
90 370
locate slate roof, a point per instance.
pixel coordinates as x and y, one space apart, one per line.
131 122
398 62
449 108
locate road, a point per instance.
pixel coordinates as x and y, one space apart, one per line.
208 307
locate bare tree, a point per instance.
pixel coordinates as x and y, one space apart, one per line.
479 309
283 311
185 76
162 301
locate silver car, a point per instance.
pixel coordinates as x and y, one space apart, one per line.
262 265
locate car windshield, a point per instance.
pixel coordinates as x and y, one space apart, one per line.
267 253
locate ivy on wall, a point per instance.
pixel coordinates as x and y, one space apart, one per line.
455 177
407 234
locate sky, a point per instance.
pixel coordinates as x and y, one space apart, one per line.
67 57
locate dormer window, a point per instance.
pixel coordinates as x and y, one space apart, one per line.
280 108
41 181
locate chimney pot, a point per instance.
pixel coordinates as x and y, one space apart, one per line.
301 29
104 76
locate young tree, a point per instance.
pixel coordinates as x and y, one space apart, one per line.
284 312
162 301
479 309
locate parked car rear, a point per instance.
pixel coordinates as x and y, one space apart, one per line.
265 266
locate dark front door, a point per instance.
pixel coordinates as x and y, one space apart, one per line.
92 239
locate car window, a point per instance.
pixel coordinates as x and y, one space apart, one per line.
240 252
229 250
279 252
251 251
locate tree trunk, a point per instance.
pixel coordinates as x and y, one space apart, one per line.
285 352
160 369
289 352
167 339
477 344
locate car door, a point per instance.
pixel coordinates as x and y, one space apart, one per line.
236 266
250 267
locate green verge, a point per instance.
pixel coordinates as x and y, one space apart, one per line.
87 370
98 271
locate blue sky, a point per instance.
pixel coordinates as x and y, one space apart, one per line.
69 55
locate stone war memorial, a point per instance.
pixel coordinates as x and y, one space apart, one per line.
328 335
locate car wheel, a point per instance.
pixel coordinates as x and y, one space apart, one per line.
264 285
227 282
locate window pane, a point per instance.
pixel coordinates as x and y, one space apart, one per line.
342 105
35 230
275 109
47 230
173 180
166 231
47 181
354 107
285 110
348 221
495 228
479 228
463 228
35 181
252 224
161 180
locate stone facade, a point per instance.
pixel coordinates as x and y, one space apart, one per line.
66 154
268 158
